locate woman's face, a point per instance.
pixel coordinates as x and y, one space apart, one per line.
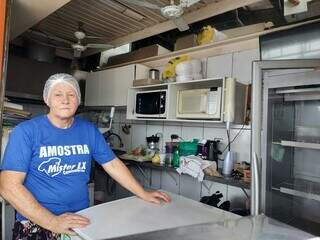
63 101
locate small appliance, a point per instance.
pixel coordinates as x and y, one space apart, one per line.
199 103
151 104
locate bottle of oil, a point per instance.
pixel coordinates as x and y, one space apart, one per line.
176 158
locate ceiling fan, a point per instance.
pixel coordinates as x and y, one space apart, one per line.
47 39
171 11
78 47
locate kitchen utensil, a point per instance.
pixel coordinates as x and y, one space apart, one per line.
154 74
153 142
170 148
213 151
184 68
188 148
228 164
202 150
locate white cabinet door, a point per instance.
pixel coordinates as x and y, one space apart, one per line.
93 89
219 66
242 64
110 87
114 85
107 88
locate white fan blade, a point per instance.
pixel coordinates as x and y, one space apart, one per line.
188 3
181 24
142 3
76 53
99 45
96 37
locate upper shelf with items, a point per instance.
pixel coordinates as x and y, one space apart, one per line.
204 100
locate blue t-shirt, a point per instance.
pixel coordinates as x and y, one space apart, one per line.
56 161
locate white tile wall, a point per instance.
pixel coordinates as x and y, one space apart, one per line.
139 134
241 144
169 130
190 132
154 128
126 139
117 116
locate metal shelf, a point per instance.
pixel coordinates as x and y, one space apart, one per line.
300 144
301 188
298 90
223 180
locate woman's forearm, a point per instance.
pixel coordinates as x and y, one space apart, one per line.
23 201
119 172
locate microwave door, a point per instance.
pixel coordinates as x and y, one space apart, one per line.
148 103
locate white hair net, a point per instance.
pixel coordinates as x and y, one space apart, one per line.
60 78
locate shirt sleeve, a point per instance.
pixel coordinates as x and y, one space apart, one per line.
102 152
18 152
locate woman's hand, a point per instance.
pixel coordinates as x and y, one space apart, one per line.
156 197
65 222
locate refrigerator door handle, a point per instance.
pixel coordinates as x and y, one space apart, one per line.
255 186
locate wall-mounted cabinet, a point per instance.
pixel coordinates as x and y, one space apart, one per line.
220 65
242 64
109 87
172 93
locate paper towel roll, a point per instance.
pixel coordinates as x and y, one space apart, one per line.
229 100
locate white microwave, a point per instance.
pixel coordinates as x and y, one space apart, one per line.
199 103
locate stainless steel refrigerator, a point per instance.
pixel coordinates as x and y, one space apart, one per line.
286 142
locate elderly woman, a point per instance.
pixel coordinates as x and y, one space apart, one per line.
46 166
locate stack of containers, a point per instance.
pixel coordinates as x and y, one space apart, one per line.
189 70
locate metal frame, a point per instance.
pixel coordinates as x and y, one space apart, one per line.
2 95
259 116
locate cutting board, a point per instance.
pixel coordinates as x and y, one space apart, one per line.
132 216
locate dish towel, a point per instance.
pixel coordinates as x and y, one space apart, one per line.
193 166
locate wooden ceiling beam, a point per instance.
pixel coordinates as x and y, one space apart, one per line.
208 11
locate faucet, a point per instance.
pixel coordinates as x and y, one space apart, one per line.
109 133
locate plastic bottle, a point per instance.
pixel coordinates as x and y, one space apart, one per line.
176 159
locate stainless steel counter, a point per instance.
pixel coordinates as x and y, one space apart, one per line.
223 180
254 228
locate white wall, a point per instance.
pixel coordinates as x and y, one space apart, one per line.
237 65
188 131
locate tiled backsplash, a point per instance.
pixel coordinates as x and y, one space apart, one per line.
141 129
